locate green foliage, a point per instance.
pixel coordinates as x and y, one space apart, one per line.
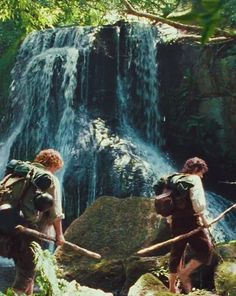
209 17
10 37
208 14
162 271
47 278
47 268
225 279
30 14
10 292
228 14
205 13
7 60
160 7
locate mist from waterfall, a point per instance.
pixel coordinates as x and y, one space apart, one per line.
96 101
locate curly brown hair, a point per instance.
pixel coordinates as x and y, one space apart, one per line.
50 158
194 164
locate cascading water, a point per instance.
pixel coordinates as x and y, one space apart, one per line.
93 95
43 91
139 75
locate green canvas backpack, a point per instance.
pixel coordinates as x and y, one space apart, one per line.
23 180
171 193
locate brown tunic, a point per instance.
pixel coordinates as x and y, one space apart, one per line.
183 221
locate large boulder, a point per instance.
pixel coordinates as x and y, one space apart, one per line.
86 291
117 229
227 251
150 285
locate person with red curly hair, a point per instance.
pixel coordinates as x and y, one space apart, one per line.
18 246
185 220
51 160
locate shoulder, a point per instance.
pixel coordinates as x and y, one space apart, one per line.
43 175
194 179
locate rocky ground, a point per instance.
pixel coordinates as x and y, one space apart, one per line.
7 272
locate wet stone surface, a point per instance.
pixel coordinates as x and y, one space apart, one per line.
7 272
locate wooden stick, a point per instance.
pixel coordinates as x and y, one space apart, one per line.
185 235
42 236
228 182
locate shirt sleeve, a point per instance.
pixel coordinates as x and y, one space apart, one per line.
197 195
56 211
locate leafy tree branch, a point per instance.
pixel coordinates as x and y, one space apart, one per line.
205 31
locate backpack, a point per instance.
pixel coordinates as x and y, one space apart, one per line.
171 193
22 179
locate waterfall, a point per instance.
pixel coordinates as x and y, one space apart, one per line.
138 81
140 72
92 94
43 89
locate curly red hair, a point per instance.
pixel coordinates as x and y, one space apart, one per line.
50 158
195 164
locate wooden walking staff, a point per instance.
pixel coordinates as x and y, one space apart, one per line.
185 235
42 236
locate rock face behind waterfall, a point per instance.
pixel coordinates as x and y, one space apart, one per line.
197 97
117 229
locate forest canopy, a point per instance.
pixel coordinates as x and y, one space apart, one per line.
31 15
202 17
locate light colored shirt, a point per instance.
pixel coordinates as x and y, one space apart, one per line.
55 191
197 194
55 212
47 219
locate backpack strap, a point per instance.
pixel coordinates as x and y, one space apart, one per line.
25 187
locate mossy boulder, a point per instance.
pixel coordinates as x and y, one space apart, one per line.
117 229
136 266
86 291
149 285
227 250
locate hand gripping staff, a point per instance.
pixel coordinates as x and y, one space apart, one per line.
185 235
42 236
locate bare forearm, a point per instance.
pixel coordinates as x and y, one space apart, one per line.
59 232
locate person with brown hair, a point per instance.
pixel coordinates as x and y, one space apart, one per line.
18 245
185 220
